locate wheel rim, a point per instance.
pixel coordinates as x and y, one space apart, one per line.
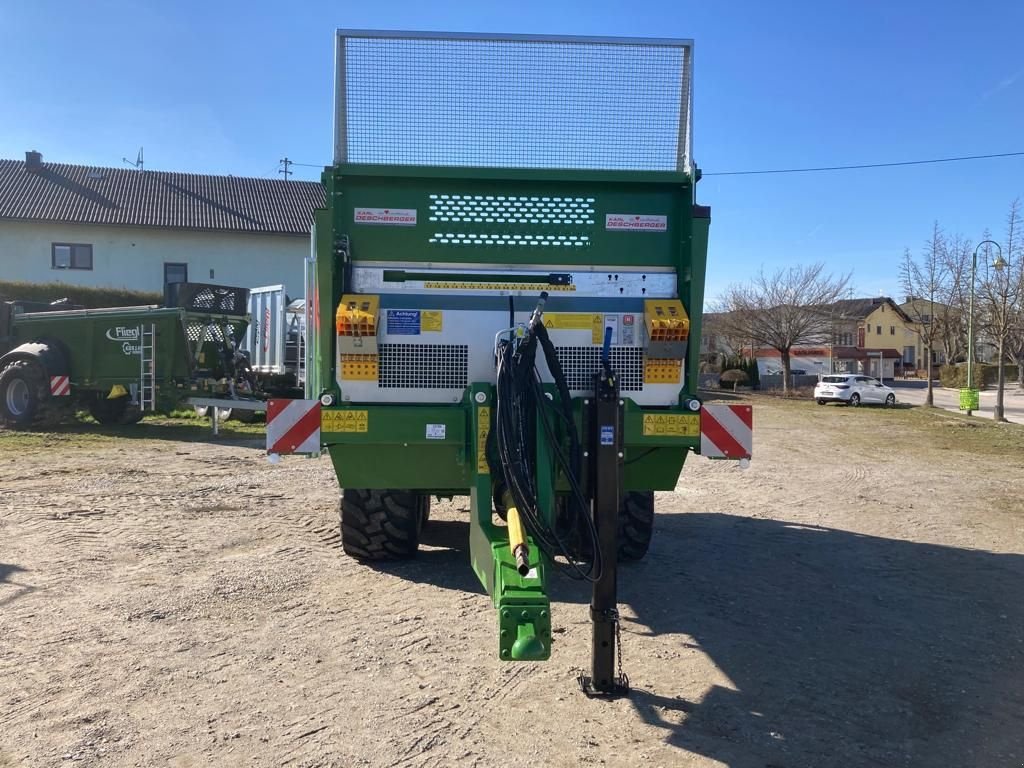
18 397
890 400
855 400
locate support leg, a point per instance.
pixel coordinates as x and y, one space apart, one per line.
605 449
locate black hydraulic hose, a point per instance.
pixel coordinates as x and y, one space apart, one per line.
520 399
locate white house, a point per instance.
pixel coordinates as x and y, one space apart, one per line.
123 228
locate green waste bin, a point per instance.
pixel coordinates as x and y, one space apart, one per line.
969 399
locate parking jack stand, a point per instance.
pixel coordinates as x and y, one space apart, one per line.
605 449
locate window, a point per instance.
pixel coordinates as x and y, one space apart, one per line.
892 330
175 273
70 256
869 329
878 330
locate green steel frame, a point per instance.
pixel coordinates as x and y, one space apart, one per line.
382 455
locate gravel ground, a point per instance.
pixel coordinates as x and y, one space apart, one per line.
856 598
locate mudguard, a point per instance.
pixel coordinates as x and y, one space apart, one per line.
49 354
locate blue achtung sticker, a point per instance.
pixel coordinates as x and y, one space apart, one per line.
607 434
404 322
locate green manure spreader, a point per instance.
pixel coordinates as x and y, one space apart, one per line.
505 300
119 363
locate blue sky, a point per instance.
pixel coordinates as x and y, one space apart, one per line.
219 87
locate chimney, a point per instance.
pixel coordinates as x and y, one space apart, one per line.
33 161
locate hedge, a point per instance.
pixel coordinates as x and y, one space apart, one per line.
76 294
955 376
746 364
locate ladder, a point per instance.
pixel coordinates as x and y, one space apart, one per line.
147 367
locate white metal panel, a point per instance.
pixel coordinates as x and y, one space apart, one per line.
617 282
264 338
476 331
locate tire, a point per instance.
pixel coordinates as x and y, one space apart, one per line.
821 402
424 509
636 524
244 415
109 412
21 393
132 415
890 401
381 524
855 400
636 527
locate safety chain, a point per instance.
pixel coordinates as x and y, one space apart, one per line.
618 642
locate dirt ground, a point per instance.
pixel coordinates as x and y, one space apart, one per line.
855 598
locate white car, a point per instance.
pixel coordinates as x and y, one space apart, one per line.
853 389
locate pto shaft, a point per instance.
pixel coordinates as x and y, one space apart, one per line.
516 535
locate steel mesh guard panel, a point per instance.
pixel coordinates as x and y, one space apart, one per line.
200 331
512 101
423 366
581 363
201 297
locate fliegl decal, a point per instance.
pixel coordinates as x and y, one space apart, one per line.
128 337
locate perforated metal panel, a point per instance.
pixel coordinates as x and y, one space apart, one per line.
510 220
512 101
581 363
200 331
510 209
423 366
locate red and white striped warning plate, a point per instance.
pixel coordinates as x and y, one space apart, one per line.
293 426
60 386
727 431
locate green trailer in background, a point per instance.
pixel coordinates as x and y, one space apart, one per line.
119 363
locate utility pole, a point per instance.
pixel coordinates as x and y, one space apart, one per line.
285 162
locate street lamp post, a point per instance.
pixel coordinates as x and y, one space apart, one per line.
972 401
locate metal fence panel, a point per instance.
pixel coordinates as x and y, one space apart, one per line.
513 101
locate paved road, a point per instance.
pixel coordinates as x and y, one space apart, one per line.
914 393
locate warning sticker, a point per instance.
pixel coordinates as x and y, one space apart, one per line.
607 434
344 421
570 321
404 322
436 431
389 217
635 222
483 415
431 320
671 425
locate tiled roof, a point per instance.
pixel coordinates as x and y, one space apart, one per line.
861 308
124 197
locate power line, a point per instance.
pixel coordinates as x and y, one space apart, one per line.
864 165
860 166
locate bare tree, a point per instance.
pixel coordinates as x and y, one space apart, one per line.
1015 341
923 279
1000 293
952 319
782 310
1015 312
